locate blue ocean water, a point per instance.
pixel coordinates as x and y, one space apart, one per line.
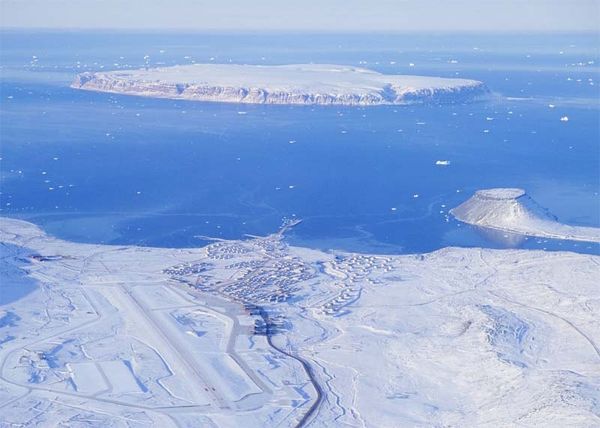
104 168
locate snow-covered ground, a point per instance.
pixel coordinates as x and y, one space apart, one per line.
257 333
512 210
282 84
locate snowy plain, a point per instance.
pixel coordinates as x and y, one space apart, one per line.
139 336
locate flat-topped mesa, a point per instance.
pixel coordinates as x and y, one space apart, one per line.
500 193
281 84
512 210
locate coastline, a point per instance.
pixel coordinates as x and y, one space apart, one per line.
299 84
430 309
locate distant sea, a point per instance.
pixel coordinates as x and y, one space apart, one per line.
102 168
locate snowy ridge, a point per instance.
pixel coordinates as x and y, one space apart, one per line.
512 210
282 84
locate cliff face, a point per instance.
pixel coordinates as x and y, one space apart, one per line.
387 93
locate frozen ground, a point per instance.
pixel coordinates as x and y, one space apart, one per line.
513 211
282 84
257 333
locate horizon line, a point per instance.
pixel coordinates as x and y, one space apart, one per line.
246 31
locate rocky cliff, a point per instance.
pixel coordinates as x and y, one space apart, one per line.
310 84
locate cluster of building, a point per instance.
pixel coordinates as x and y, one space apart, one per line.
271 246
274 281
225 250
357 267
246 264
260 272
352 271
337 305
184 269
269 326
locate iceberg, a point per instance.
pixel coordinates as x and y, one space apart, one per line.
306 84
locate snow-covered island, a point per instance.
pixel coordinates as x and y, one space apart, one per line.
513 211
258 333
281 84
